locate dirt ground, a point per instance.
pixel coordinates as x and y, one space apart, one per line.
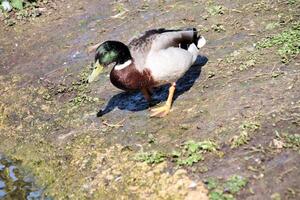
233 132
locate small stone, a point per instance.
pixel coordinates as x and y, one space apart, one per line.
278 144
193 185
200 193
45 108
275 196
6 6
76 54
180 172
109 177
118 178
257 160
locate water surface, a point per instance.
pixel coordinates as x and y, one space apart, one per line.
16 185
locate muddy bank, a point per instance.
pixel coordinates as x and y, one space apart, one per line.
233 131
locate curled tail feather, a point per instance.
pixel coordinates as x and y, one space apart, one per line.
201 42
194 50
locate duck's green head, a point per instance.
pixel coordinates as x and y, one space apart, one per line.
107 53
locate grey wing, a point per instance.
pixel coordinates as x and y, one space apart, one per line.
136 41
140 46
157 39
179 38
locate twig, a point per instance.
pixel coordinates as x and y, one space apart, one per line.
117 125
286 172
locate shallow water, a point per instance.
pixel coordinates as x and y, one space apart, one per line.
14 185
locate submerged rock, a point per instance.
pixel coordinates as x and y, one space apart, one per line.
13 185
6 6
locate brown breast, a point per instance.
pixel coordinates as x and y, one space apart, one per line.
130 79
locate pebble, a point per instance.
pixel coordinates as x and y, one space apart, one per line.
75 55
118 178
193 185
6 6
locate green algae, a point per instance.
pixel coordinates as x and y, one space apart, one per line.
190 153
247 129
235 183
150 157
287 43
215 10
225 190
219 195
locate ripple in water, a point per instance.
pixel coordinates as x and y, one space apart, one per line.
14 185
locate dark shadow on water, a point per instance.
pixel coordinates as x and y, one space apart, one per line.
135 101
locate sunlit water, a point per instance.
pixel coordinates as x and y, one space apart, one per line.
14 185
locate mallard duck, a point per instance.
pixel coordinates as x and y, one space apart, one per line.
155 58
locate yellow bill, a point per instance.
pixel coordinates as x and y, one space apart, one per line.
98 68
